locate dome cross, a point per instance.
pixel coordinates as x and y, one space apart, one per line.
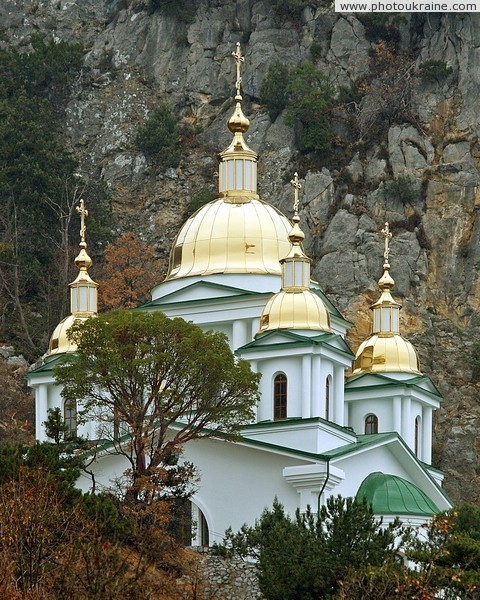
83 212
296 186
239 59
387 234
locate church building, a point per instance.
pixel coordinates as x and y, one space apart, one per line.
328 422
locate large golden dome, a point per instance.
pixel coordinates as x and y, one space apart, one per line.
382 354
241 235
295 310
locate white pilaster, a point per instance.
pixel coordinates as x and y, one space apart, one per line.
41 407
408 430
397 414
426 449
306 386
338 395
239 335
316 387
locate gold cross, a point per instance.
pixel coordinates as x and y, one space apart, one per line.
297 186
387 234
239 59
83 212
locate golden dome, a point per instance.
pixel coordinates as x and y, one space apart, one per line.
386 353
83 295
229 237
295 310
59 342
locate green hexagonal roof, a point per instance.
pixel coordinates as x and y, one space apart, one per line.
393 495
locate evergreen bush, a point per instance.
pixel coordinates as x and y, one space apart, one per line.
273 91
159 139
310 99
403 188
434 70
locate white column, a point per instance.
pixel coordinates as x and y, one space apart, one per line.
239 335
338 395
426 449
265 406
316 387
408 428
41 406
397 414
306 386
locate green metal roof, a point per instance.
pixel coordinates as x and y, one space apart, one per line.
294 339
393 495
47 366
386 381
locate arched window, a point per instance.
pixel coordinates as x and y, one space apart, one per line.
280 397
371 424
328 400
417 436
70 417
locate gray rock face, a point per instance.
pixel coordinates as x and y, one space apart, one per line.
136 57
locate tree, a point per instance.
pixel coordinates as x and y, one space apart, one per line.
305 557
130 272
311 97
158 138
273 91
145 373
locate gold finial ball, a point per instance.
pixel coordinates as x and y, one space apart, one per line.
83 261
238 122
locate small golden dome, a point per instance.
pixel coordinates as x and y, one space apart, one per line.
295 310
386 353
82 260
59 342
83 295
238 122
227 237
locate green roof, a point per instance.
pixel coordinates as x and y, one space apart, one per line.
393 495
46 367
294 339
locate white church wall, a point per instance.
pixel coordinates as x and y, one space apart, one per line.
292 367
237 483
381 407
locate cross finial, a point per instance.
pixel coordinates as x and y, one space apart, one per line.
297 186
239 59
387 234
83 212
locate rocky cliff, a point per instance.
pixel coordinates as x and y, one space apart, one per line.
393 125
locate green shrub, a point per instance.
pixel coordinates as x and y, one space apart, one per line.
310 100
273 91
434 70
158 138
316 51
403 188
